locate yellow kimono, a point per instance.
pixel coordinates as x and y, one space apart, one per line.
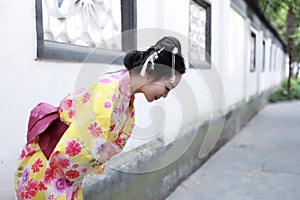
100 119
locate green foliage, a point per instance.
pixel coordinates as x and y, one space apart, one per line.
296 52
282 94
277 12
294 83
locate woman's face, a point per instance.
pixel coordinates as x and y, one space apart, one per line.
157 89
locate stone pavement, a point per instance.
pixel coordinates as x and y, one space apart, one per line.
262 162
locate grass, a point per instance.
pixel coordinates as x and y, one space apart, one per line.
281 94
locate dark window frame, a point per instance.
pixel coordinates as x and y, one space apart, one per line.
51 50
207 63
264 56
253 68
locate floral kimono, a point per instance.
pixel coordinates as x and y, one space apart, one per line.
100 119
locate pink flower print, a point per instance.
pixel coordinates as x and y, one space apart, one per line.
95 165
42 186
119 142
31 189
98 146
75 193
51 197
72 174
73 148
114 76
60 185
107 105
37 165
120 109
67 103
75 166
63 162
112 127
30 151
86 97
81 90
113 98
25 175
95 130
23 154
84 170
104 80
51 173
125 89
71 113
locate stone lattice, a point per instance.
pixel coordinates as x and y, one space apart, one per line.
82 22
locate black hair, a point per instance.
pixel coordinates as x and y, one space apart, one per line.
134 60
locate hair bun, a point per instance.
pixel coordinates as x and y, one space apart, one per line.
168 43
133 58
136 59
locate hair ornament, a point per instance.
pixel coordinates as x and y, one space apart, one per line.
151 59
173 77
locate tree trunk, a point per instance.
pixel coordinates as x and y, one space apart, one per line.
290 32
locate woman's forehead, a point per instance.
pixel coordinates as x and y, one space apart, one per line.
167 81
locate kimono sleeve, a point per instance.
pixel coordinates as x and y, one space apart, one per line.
94 116
104 103
125 133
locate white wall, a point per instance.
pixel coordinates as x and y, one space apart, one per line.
252 76
235 69
24 83
264 75
164 14
168 19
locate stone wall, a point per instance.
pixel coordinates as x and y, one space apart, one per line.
120 185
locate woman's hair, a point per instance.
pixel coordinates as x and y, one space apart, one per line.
134 60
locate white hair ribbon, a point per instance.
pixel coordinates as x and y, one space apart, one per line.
151 59
173 77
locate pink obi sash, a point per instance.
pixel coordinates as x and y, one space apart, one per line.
44 123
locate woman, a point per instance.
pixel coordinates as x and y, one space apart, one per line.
93 124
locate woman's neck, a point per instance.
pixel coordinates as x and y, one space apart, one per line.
137 81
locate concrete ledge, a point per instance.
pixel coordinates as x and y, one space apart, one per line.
158 184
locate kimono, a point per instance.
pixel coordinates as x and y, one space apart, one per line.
99 119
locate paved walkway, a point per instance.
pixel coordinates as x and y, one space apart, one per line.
262 162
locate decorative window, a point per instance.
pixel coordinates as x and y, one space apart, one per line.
200 33
69 30
264 56
252 52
